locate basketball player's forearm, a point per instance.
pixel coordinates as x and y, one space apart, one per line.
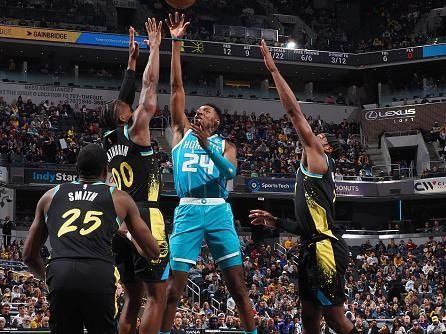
224 166
292 108
36 265
127 91
287 224
131 64
177 95
150 80
176 75
287 97
147 244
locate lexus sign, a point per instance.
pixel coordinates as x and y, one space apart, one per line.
398 115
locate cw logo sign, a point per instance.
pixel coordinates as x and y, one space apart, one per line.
430 186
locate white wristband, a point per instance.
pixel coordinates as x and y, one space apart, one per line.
129 236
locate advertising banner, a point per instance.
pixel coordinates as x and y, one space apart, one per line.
91 98
66 36
430 186
45 176
270 185
343 188
355 188
403 118
39 34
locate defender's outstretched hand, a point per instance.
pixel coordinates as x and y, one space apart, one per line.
261 217
153 32
268 59
177 25
133 46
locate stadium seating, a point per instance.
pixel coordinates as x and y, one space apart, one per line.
386 283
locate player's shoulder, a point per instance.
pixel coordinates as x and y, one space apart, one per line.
229 145
109 133
119 195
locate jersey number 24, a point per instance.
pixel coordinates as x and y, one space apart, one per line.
201 160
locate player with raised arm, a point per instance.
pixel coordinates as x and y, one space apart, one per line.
324 254
203 163
135 169
80 219
128 86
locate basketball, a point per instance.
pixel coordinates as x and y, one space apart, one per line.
180 4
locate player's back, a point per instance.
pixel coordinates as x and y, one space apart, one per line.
315 196
195 174
135 168
81 221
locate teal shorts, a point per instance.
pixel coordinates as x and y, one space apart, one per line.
194 223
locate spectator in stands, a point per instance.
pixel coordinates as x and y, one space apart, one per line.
176 329
46 323
5 313
288 243
436 327
18 319
26 324
7 230
37 321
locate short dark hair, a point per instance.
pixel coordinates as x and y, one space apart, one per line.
217 110
109 117
334 143
91 161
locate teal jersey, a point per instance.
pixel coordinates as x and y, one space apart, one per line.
194 172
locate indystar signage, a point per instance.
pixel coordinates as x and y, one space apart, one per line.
45 176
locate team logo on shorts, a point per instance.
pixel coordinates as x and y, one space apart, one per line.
164 251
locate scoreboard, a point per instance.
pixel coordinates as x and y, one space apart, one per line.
304 56
228 50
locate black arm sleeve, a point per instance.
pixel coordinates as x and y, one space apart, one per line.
128 88
287 224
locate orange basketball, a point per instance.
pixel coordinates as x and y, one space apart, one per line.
180 4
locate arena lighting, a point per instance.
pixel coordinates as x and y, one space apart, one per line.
291 45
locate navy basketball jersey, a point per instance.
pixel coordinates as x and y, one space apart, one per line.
81 221
315 196
135 168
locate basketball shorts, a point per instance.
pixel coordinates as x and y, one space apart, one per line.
132 266
322 267
198 219
82 292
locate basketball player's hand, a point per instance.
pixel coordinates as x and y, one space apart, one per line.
133 46
153 32
201 133
176 25
267 58
260 217
124 233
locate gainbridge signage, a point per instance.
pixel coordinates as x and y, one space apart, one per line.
39 34
402 118
66 36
